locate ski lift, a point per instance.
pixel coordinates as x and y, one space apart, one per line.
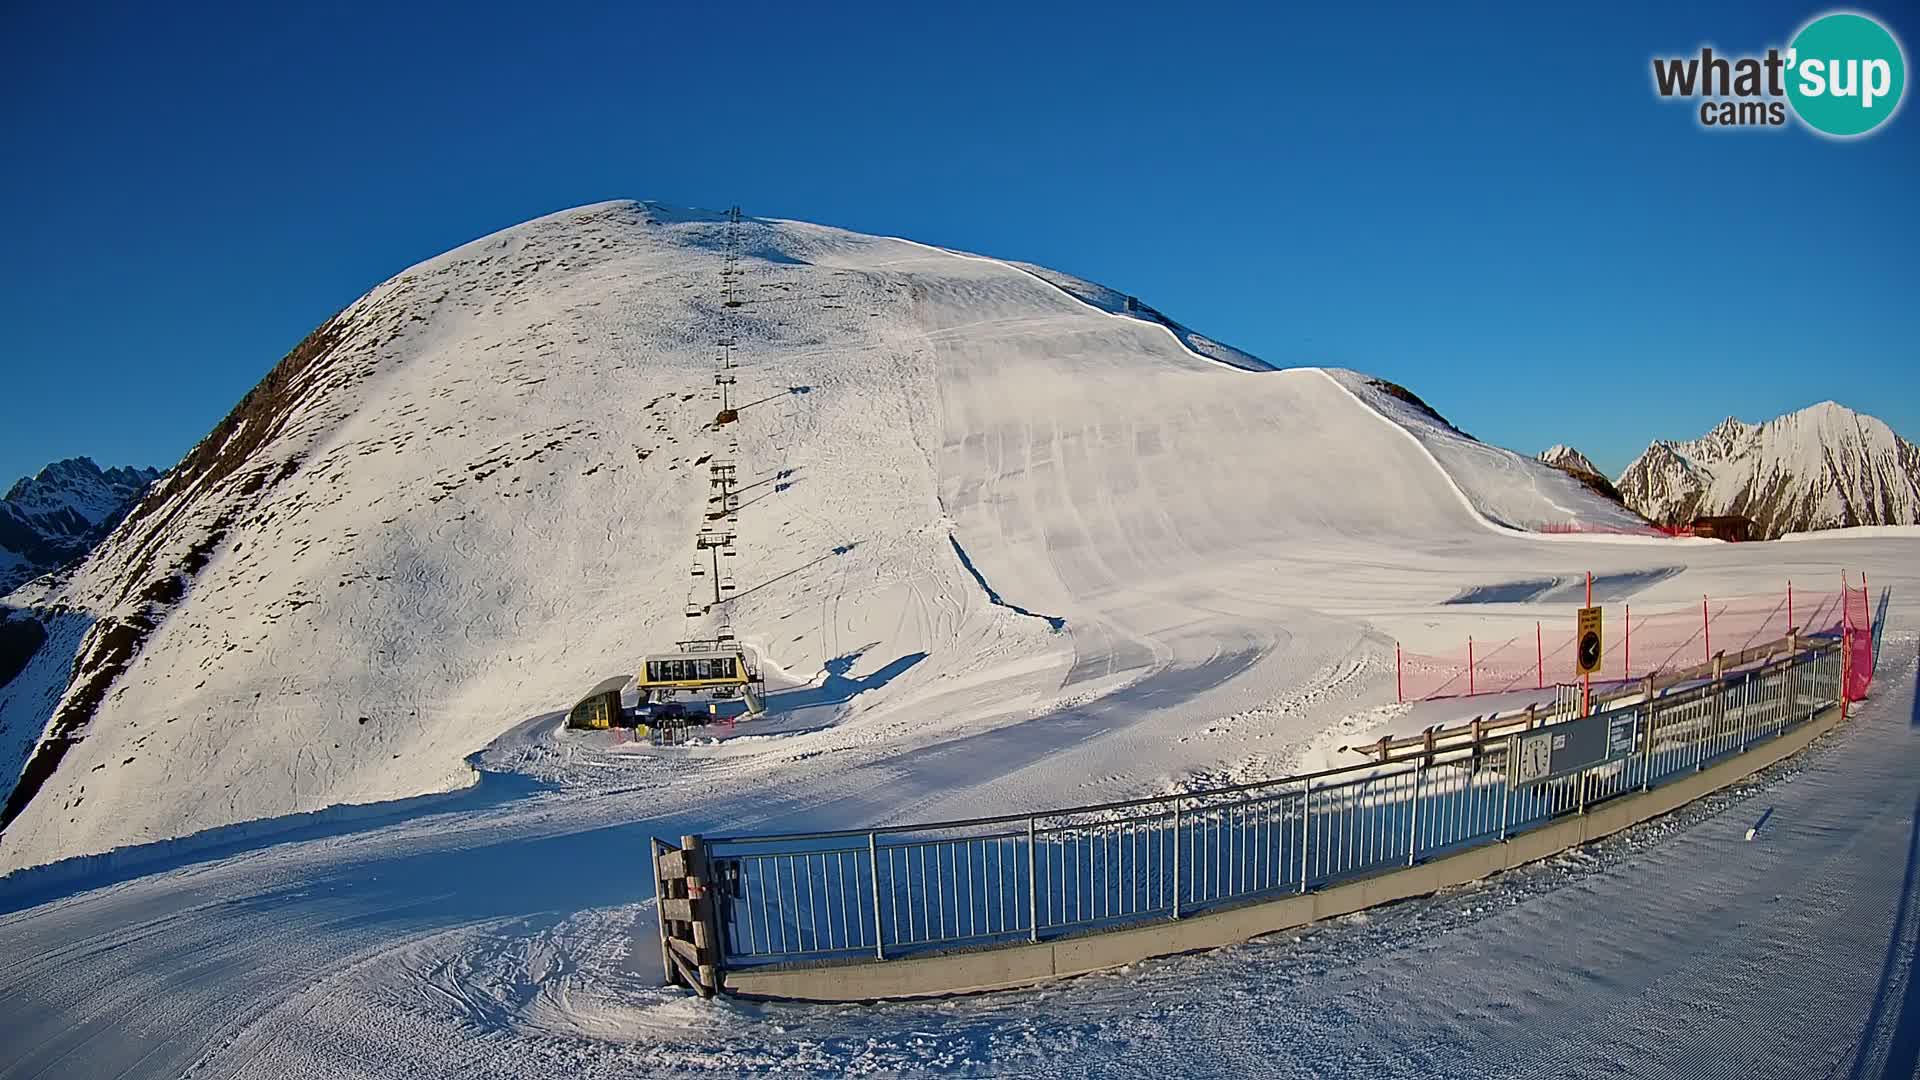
694 610
699 568
726 584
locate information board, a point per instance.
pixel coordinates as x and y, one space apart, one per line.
1566 748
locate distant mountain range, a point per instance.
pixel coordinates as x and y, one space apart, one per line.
59 514
1823 467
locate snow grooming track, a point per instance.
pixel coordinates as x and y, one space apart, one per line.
1404 430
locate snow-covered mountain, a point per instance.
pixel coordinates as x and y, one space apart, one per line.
1577 465
971 489
60 512
1566 458
1825 466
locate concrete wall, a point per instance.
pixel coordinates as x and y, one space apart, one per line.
1022 965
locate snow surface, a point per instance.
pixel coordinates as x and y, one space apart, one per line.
1861 532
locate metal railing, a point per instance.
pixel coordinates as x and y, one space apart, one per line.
906 890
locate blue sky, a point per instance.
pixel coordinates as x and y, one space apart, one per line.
1490 207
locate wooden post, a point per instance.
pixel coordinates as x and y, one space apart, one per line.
689 926
660 910
706 924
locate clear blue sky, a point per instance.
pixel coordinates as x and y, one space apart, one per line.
1491 208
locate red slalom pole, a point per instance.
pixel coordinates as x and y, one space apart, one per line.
1539 658
1792 627
1469 667
1629 641
1399 676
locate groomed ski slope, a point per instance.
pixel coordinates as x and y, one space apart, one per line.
483 499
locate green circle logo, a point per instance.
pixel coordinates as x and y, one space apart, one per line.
1846 74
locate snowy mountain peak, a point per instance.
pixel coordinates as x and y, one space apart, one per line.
1824 466
58 513
79 485
1562 456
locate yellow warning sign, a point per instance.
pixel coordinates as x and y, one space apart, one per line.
1586 660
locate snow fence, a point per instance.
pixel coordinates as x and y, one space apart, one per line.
1638 645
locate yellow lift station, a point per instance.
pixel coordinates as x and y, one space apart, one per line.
715 668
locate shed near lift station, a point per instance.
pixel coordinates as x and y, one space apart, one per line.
601 707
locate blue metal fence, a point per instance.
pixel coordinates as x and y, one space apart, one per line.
901 891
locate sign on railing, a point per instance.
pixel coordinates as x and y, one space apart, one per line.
1574 745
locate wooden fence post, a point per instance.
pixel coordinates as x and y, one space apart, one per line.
689 923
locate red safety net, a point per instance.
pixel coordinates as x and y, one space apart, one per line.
1858 619
1589 528
1637 644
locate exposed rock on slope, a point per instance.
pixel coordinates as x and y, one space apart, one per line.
1823 467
